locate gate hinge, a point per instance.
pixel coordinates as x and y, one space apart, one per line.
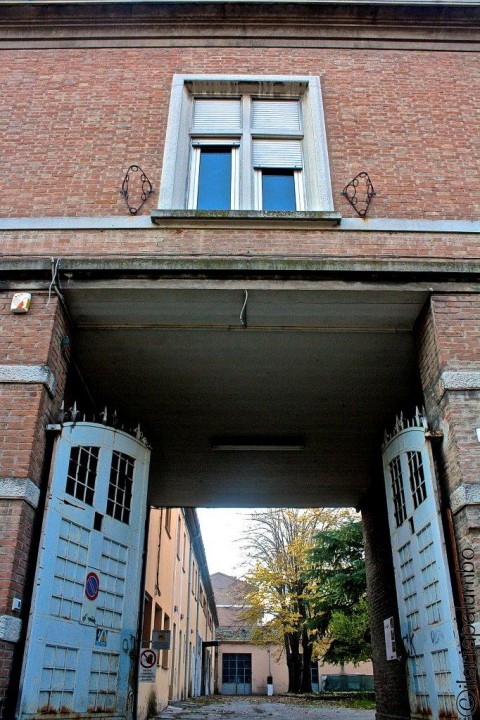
434 434
56 427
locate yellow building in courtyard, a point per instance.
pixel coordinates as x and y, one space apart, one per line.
179 618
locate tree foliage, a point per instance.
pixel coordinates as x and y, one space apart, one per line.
278 606
307 587
337 592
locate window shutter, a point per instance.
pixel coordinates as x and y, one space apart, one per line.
277 154
217 115
276 114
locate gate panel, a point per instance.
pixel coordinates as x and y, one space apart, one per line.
424 593
83 624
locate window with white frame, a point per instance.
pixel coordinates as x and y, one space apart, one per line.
242 143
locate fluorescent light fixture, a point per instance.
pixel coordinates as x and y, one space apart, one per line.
258 444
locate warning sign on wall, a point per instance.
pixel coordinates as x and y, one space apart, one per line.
147 670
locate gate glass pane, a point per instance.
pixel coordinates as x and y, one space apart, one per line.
120 487
407 573
70 571
420 684
58 678
397 489
103 682
430 578
113 568
82 473
417 478
443 682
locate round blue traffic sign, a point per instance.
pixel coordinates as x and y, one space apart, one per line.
92 586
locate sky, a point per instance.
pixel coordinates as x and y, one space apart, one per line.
221 532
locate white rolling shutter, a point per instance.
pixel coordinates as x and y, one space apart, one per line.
277 154
276 115
217 115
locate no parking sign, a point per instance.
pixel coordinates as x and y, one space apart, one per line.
92 586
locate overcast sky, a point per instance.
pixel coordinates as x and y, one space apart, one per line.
221 531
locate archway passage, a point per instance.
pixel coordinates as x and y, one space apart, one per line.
253 393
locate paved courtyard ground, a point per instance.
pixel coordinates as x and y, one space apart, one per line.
261 708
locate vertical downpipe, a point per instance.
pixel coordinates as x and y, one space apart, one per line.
135 654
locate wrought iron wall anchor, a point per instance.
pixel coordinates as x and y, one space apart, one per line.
145 189
359 193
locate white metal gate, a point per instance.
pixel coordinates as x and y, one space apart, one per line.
80 650
424 593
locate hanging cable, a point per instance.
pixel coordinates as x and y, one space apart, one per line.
53 283
243 311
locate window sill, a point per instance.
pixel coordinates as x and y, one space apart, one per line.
245 219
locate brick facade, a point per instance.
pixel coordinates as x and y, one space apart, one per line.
448 339
97 113
79 108
390 681
25 341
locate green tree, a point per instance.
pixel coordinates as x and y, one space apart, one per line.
278 607
337 592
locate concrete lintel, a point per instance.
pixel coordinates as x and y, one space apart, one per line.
460 380
240 219
16 488
466 494
145 222
423 268
10 628
29 374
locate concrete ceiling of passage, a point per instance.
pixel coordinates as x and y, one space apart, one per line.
326 370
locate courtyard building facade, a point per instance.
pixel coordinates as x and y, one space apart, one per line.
179 611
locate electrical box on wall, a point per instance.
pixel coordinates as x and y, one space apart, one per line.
390 645
21 303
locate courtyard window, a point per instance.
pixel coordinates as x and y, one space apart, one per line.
241 143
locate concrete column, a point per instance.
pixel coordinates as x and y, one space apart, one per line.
32 380
390 675
448 336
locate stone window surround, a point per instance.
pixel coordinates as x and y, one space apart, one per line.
174 181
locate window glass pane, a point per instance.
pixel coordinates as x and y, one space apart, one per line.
214 179
278 190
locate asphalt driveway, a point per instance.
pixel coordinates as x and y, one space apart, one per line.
260 708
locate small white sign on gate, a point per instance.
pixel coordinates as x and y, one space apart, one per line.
148 665
390 645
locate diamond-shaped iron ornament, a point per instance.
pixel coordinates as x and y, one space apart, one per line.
145 188
359 193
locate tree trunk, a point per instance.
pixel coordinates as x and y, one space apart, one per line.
307 646
294 662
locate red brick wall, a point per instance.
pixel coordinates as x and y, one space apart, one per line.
390 681
267 242
449 339
32 339
72 121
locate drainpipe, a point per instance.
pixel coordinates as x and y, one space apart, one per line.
197 602
159 550
135 652
187 632
455 571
